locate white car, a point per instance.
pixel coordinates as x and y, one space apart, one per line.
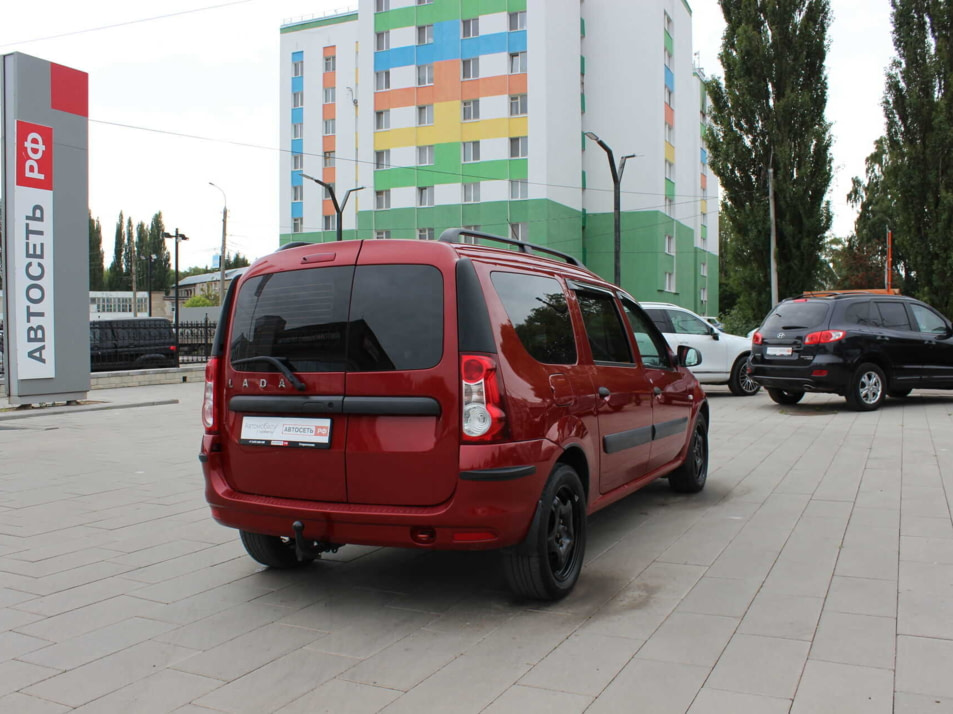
724 356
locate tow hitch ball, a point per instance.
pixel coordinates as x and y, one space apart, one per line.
308 549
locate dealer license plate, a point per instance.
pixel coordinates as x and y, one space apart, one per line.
779 352
286 431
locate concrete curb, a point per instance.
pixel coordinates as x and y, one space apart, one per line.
65 409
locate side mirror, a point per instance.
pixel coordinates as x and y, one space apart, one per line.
714 334
689 356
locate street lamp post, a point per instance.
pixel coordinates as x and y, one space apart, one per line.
221 281
338 209
616 204
177 237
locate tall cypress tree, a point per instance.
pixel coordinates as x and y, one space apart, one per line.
918 107
768 111
162 263
118 278
96 268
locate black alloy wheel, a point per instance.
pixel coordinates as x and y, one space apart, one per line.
691 476
867 389
740 382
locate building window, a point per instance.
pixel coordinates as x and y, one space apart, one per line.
703 270
667 58
669 283
329 95
471 151
425 234
331 223
472 240
518 105
670 245
297 224
669 170
328 159
328 191
517 62
519 188
382 199
381 235
425 155
518 20
424 34
519 231
471 192
669 133
382 41
703 295
669 26
470 28
471 109
382 6
424 2
669 97
424 75
669 206
519 147
297 162
297 99
425 196
470 68
330 63
297 131
297 68
329 126
425 115
382 120
382 80
382 159
297 193
704 219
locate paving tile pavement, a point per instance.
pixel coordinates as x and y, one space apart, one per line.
814 574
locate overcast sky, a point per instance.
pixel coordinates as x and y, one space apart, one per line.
181 96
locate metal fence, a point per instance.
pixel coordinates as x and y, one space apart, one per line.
195 340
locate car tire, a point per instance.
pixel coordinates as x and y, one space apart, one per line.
273 551
740 382
691 476
547 564
899 393
867 388
785 396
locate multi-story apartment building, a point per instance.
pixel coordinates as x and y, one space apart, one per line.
476 113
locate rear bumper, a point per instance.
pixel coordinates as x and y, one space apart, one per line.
805 378
483 513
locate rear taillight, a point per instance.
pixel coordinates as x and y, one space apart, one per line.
757 339
209 417
823 337
173 348
483 415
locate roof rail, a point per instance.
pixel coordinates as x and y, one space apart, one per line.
862 291
295 244
452 235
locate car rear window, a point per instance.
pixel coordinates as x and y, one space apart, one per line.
373 318
536 306
797 315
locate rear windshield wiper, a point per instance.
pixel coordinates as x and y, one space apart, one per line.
280 363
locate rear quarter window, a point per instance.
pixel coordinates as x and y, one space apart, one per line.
537 308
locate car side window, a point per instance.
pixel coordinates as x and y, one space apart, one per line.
893 315
660 318
928 321
604 328
652 346
536 305
686 324
858 313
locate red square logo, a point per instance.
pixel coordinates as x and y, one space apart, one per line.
34 156
69 90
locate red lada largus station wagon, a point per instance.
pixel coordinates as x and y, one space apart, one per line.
440 395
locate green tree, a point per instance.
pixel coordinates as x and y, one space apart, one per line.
162 260
96 257
918 108
118 277
236 260
768 112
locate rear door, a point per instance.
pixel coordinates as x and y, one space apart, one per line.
403 380
902 346
936 345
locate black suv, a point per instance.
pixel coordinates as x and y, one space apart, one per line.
861 345
131 343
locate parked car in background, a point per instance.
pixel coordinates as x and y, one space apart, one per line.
724 356
440 395
131 343
864 346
